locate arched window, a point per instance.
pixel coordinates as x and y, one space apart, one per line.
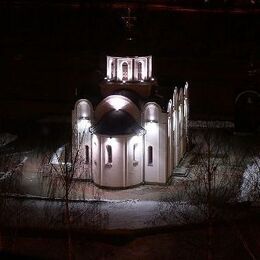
139 70
109 154
150 155
87 154
112 70
135 152
124 71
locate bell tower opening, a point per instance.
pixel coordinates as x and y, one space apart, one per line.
124 71
139 71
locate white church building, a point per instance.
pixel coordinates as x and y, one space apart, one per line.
128 139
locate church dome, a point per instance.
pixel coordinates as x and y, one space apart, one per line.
117 115
117 122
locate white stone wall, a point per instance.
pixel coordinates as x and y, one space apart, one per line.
122 170
96 159
82 117
113 174
151 141
134 165
163 174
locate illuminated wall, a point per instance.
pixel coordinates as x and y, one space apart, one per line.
129 68
82 117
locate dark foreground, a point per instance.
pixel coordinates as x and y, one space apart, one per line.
237 240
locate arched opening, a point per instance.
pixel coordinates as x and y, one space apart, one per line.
150 155
247 109
135 152
139 70
124 71
112 70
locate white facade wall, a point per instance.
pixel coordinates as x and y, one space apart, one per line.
152 142
134 160
163 148
113 174
122 171
152 137
82 117
96 159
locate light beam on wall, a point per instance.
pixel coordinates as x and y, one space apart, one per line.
117 102
83 125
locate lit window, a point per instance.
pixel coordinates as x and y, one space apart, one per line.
87 154
139 70
150 155
124 71
109 154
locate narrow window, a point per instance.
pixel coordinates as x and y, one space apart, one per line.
87 154
150 155
134 152
109 153
139 70
125 71
112 70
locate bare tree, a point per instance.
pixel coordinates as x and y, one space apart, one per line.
63 169
214 178
11 165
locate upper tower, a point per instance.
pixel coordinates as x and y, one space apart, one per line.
132 73
124 69
128 68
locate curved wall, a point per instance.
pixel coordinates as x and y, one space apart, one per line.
123 166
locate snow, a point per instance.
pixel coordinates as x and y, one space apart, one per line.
250 187
55 159
116 214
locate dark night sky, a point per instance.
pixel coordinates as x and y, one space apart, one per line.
49 50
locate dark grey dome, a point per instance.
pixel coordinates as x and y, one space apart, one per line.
117 122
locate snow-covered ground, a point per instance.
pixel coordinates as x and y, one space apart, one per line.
128 214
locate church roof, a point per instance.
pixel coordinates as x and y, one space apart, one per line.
117 122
